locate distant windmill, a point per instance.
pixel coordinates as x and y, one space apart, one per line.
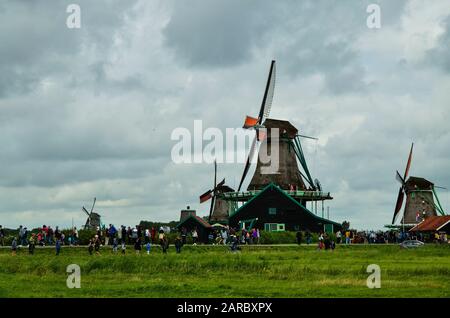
420 194
93 220
218 211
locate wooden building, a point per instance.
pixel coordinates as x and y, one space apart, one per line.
190 221
274 209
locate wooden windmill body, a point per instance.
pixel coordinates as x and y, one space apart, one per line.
288 174
421 198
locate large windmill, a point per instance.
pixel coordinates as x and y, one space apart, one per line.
288 176
277 195
420 197
218 211
93 220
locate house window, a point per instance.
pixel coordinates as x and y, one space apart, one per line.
274 227
272 211
270 227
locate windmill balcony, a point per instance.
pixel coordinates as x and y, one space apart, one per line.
303 195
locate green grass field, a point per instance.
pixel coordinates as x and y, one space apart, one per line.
213 271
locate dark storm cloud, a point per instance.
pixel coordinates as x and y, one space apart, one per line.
46 47
90 112
217 33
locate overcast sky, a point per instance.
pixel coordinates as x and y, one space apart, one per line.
89 112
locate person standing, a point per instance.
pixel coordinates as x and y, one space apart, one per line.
178 244
31 244
183 235
115 245
124 247
124 234
91 246
153 234
137 245
14 246
308 237
298 236
194 236
321 241
2 236
148 247
338 237
107 235
75 236
58 246
97 244
347 237
224 236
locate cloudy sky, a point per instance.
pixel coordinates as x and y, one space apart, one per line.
89 112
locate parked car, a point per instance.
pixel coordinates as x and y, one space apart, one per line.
411 244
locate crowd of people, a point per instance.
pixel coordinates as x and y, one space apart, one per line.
143 238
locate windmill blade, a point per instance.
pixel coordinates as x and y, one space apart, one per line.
408 165
221 183
249 160
399 178
266 104
214 187
399 203
307 137
86 211
95 199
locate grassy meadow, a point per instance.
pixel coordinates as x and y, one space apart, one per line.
213 271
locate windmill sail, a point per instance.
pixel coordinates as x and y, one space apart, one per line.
401 192
264 112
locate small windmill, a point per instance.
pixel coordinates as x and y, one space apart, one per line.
93 220
420 197
218 210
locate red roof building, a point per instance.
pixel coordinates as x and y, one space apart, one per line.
433 224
